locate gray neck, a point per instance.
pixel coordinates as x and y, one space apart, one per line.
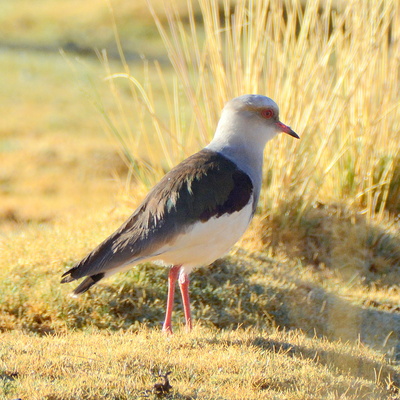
241 138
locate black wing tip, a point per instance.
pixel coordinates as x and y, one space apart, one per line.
66 279
86 284
68 275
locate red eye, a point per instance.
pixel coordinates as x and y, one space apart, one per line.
267 113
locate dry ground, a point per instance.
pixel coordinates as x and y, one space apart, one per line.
207 364
304 310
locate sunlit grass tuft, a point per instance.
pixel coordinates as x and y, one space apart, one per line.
332 73
240 364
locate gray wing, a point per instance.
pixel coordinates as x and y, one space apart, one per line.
203 186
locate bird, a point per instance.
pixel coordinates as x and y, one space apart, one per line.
198 210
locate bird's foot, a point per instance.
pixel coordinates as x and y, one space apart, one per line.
167 329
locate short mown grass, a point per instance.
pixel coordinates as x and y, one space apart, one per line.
235 364
265 325
306 306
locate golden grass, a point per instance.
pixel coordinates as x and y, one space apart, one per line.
71 358
306 306
250 289
240 364
333 75
53 149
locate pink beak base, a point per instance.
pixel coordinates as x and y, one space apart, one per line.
287 129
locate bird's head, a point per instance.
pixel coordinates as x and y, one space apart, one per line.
257 113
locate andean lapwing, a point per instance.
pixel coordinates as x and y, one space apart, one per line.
198 210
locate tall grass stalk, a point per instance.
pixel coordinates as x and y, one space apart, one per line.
334 74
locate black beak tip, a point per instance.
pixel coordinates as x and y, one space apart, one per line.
293 134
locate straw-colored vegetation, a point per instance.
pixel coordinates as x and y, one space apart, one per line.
307 305
245 364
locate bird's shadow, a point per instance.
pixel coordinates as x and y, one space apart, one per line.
294 304
227 295
386 376
252 290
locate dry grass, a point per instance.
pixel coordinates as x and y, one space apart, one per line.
50 342
334 76
307 306
243 364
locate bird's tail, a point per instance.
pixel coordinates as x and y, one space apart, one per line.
85 285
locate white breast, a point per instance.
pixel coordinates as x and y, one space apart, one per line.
204 242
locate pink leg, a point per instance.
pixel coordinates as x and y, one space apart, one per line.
172 277
184 282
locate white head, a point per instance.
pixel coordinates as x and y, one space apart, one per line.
247 123
251 118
